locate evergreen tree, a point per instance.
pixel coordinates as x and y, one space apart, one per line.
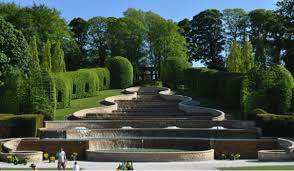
34 52
58 64
46 56
260 55
234 61
247 57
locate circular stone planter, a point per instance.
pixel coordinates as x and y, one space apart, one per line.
30 156
112 156
273 155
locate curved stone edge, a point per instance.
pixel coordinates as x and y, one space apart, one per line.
106 156
9 148
109 103
285 154
195 108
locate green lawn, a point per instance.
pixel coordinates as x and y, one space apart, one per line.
231 113
290 167
85 103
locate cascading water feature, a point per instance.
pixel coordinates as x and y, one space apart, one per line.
154 127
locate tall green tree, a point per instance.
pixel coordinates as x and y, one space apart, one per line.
234 61
46 57
57 62
236 24
285 10
14 51
185 28
247 57
208 34
267 31
34 52
98 36
79 28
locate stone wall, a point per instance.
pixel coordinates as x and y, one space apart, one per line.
145 123
184 144
184 133
150 156
248 149
52 146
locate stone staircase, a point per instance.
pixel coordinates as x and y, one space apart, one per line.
148 105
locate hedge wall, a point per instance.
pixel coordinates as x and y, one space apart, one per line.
121 72
215 84
269 89
63 85
276 125
12 93
85 83
21 125
172 71
35 94
103 75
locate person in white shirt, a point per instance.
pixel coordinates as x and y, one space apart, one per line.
61 157
76 167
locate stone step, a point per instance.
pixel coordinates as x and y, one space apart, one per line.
139 107
155 110
179 114
140 117
145 102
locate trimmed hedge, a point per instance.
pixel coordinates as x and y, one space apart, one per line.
103 75
63 85
85 83
35 94
215 84
292 105
172 71
12 93
269 89
276 125
121 72
21 125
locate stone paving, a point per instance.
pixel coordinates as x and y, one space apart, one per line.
203 165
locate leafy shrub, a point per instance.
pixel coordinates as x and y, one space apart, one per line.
22 125
45 156
215 84
252 114
234 156
223 157
121 72
52 159
269 89
172 71
14 54
9 159
74 156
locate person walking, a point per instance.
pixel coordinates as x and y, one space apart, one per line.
61 156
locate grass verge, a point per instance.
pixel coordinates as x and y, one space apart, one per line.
79 104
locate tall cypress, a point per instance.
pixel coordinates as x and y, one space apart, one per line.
247 57
34 52
58 64
46 56
234 61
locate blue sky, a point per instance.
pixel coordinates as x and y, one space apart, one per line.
170 9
